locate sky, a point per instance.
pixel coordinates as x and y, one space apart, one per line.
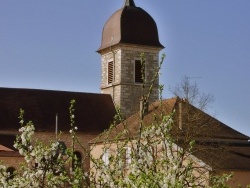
51 44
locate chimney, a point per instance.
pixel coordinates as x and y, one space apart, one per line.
180 114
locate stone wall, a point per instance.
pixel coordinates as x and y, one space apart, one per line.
124 91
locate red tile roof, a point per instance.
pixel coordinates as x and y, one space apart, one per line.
203 125
8 139
93 112
3 148
217 144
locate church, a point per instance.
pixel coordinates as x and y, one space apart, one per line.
128 33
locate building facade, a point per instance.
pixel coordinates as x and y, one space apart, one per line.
129 52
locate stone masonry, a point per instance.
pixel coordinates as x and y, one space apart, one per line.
124 91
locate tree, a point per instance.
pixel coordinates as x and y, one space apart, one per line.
191 92
197 125
45 165
161 154
150 158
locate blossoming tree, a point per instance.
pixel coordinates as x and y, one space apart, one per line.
151 158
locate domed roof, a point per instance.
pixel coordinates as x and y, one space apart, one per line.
130 25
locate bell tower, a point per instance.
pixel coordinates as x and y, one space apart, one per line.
128 33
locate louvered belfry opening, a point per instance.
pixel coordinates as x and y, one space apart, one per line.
139 71
110 72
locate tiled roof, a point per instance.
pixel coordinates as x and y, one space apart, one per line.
132 122
8 140
93 112
3 148
225 148
203 126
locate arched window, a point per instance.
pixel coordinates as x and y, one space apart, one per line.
77 160
10 171
139 72
128 155
105 156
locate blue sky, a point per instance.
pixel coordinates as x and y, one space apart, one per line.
51 44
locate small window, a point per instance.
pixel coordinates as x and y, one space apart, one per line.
105 157
139 71
77 160
10 171
110 72
128 155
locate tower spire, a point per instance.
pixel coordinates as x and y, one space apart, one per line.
129 3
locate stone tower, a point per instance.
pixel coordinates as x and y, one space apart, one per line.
128 33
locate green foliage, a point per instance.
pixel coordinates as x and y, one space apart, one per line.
219 181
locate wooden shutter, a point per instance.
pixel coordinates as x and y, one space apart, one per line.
110 72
